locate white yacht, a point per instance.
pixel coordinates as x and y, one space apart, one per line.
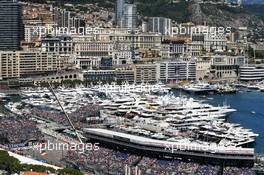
132 109
2 95
199 88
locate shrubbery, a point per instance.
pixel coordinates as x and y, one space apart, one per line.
12 165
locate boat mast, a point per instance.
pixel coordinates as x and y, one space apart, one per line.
64 112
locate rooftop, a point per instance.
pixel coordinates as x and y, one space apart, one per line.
33 173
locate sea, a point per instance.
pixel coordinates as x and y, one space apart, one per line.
249 106
249 114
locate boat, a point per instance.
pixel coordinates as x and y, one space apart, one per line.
3 95
200 88
144 113
226 89
253 87
261 88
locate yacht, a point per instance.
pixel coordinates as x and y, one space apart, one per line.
3 95
253 87
199 88
140 110
134 88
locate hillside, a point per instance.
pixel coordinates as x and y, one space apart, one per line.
165 8
176 11
182 11
256 9
220 15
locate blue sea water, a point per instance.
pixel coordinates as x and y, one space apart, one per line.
250 112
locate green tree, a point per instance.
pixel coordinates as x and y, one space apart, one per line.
70 171
8 163
12 165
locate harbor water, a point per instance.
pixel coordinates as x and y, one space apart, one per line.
250 111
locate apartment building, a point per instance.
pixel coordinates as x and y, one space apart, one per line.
60 44
215 42
19 64
145 73
171 71
251 73
140 40
170 48
203 67
226 67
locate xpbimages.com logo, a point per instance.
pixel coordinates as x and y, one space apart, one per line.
41 31
192 30
173 148
78 147
55 31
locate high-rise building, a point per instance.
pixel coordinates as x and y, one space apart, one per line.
119 11
159 25
64 18
11 26
129 19
61 17
125 14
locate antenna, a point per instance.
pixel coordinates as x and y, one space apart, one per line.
66 115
